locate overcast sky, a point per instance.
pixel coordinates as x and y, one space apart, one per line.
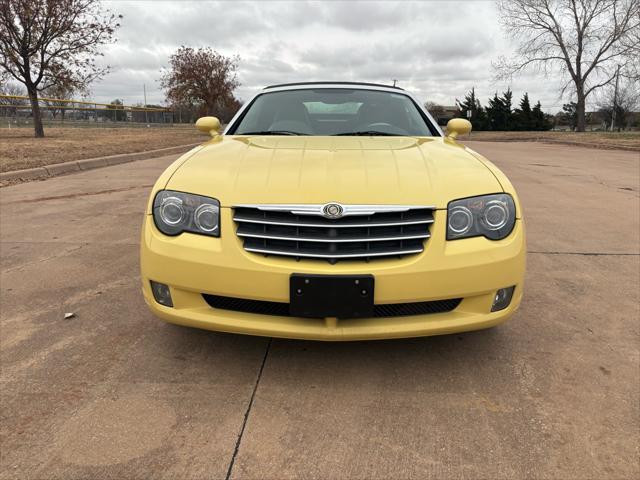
436 49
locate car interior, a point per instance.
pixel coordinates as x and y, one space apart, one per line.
333 112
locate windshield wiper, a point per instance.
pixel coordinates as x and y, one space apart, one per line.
273 132
368 133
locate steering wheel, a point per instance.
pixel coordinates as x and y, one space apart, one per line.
380 124
383 127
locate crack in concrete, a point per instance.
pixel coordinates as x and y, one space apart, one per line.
589 254
246 414
593 177
64 242
81 194
51 257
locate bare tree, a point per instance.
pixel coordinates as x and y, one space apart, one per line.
11 89
60 91
623 102
229 109
47 42
632 43
8 103
202 78
584 39
435 109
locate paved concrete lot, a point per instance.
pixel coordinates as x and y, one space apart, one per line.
115 393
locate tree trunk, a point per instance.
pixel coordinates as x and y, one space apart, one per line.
581 120
35 111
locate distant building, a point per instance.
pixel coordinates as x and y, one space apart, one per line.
443 113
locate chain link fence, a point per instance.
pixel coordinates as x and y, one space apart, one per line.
16 111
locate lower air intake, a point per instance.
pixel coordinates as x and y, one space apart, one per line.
282 309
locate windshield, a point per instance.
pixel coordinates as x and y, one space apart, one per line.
333 111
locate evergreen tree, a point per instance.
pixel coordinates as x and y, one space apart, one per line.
539 120
523 118
480 121
493 110
471 104
468 104
506 110
499 112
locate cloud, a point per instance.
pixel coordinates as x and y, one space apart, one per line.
366 16
437 49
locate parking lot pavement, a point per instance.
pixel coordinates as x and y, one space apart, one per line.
113 392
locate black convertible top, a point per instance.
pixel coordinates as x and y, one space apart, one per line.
332 83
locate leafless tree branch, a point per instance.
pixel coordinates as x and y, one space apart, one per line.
48 43
583 40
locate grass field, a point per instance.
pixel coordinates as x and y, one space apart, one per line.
19 149
622 140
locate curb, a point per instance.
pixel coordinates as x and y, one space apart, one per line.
597 146
56 169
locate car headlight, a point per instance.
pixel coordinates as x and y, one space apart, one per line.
177 212
491 216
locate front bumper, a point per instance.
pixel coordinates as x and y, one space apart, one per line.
472 269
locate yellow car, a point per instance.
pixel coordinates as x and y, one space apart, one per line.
333 211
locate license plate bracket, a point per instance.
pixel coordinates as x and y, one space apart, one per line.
340 296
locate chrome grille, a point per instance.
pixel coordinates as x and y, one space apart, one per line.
364 232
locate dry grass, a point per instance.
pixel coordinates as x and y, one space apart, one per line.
19 149
612 140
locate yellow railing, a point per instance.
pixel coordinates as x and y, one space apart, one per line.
66 104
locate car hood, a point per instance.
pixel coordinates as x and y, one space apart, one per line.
364 170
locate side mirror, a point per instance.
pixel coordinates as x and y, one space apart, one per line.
458 126
210 125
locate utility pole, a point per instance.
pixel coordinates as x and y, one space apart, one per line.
615 100
146 113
